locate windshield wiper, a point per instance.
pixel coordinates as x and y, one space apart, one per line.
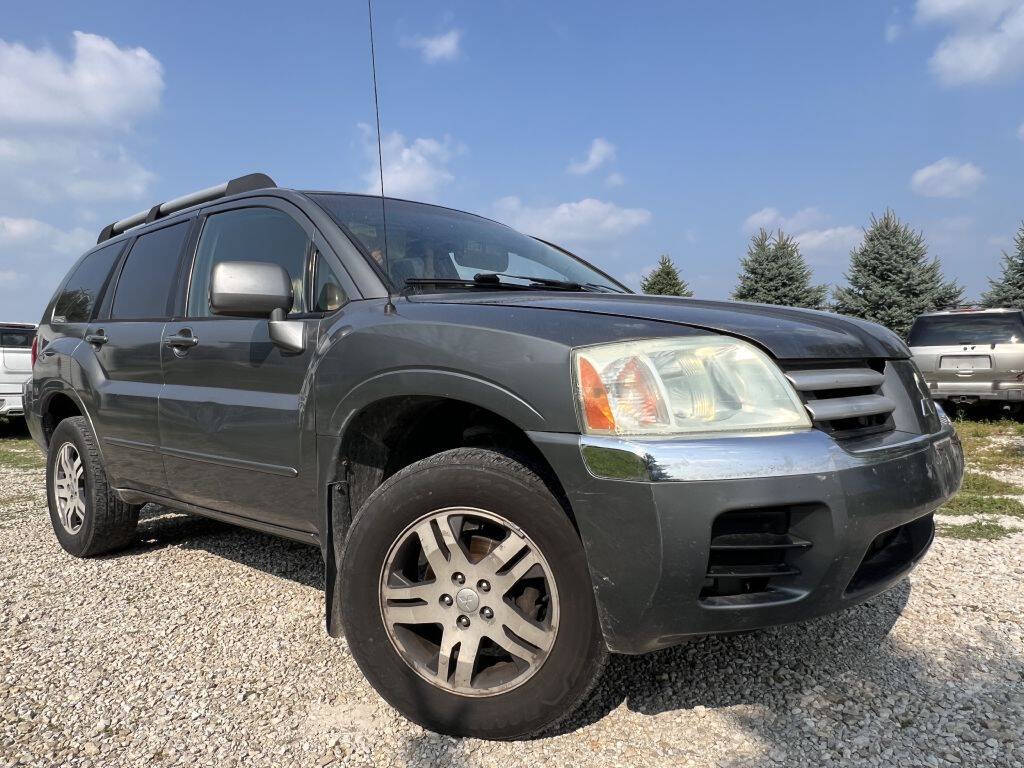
412 282
537 282
493 280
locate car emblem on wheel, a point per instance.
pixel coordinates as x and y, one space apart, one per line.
467 600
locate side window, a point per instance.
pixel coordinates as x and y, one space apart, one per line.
147 276
77 298
327 292
249 234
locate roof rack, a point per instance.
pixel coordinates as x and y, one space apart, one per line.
245 183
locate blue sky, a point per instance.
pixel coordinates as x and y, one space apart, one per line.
621 130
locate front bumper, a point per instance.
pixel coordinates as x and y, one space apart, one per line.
648 513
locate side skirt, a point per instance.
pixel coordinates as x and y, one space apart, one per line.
131 496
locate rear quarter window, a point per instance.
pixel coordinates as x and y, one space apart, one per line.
77 299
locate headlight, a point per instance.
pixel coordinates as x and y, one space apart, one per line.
694 384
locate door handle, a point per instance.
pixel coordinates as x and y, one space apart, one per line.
182 340
97 339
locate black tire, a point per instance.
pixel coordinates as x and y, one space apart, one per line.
468 477
109 524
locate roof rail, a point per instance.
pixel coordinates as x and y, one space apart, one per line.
245 183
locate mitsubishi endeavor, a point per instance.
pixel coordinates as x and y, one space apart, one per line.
511 464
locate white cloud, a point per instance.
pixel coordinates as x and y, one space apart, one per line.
818 243
1020 132
947 177
615 180
587 220
969 12
824 245
64 122
21 234
893 31
67 125
986 42
600 152
102 85
45 169
771 218
411 169
443 47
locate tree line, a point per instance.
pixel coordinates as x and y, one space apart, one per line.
890 280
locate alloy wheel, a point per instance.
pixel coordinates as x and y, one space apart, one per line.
69 488
469 601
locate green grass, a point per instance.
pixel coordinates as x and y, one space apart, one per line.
988 447
976 482
976 504
20 453
981 441
979 530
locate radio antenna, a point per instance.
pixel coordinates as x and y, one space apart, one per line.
389 307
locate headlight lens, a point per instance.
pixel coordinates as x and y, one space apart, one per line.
694 384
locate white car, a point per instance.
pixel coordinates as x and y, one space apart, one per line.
15 365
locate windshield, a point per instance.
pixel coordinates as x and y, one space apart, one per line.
947 330
428 242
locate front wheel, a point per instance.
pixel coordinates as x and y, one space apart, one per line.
468 604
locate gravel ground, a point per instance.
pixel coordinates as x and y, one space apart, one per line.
204 645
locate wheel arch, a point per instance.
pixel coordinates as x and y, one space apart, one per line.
393 431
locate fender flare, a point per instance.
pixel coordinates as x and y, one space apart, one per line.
434 382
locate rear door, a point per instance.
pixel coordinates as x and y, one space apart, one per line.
126 339
236 415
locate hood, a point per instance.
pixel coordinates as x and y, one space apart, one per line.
787 333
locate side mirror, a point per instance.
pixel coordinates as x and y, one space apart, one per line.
258 289
249 289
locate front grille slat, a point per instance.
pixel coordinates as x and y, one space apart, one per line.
844 397
849 407
835 378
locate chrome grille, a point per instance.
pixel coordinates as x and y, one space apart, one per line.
844 398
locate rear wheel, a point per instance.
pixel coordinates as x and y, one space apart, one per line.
86 514
468 604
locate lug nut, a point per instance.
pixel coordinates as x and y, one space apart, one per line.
446 600
463 621
458 578
487 613
484 585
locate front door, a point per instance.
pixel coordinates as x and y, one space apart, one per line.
236 417
126 341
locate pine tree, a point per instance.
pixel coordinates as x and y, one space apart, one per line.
774 272
664 280
891 281
1008 291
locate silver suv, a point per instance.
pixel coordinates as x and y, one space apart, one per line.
971 355
15 365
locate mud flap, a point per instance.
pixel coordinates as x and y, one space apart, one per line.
338 518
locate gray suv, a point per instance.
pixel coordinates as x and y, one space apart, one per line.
511 464
972 356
